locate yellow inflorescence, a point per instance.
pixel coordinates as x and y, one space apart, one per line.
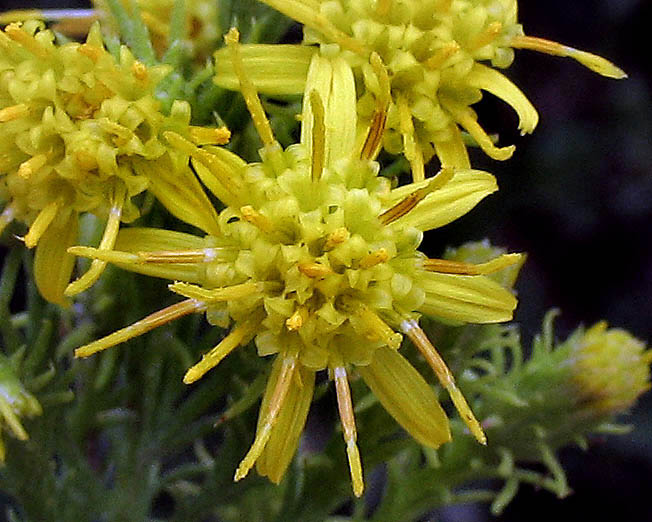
316 258
436 54
82 132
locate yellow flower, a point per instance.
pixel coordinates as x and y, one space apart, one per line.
15 402
433 51
317 261
82 133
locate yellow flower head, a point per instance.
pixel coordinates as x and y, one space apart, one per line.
433 51
81 132
317 260
15 402
611 369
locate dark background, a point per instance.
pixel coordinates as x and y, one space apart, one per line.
577 197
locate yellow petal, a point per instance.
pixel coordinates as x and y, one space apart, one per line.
181 193
592 61
407 397
273 69
467 118
447 203
52 263
341 115
453 153
283 442
138 239
475 299
332 80
277 392
490 80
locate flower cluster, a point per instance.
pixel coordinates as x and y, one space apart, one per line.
309 253
432 51
82 133
317 260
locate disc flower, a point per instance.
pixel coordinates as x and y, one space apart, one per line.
82 132
316 259
435 53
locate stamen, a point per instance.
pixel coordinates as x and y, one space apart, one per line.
108 241
297 319
216 295
31 166
150 322
249 92
6 217
262 435
345 407
487 36
211 359
412 149
421 341
412 200
443 5
251 215
91 51
466 117
336 237
373 140
140 71
441 55
444 266
592 61
314 270
375 258
14 32
41 223
14 112
210 135
318 136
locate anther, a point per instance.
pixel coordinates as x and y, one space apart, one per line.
314 270
14 112
336 237
210 135
32 165
441 55
251 215
374 258
487 36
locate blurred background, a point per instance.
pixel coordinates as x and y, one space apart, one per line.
577 197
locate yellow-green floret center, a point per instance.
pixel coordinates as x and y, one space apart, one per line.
328 264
